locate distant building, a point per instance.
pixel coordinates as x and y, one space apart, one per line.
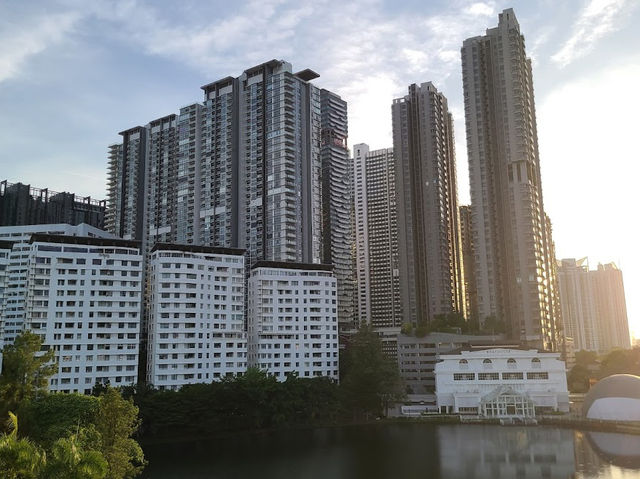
429 249
83 297
500 382
593 305
23 205
293 320
376 238
196 315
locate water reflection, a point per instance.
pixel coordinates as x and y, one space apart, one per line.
603 454
478 452
405 451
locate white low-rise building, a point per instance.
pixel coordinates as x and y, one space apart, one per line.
292 319
83 297
499 382
196 315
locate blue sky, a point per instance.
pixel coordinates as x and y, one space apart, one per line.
73 73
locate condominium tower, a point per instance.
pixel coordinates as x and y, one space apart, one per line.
241 169
594 309
511 237
376 237
337 202
430 256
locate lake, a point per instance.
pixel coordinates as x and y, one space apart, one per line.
402 450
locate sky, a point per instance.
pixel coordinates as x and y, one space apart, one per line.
74 73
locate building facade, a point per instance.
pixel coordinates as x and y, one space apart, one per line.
593 305
13 312
23 205
500 382
468 263
417 358
83 297
376 235
196 315
242 169
293 320
430 255
510 236
337 203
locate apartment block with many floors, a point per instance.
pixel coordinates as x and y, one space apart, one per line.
376 236
83 297
430 253
511 234
293 320
196 315
12 308
337 203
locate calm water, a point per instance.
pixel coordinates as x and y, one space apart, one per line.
397 451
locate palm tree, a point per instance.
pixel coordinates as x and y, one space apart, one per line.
19 458
69 460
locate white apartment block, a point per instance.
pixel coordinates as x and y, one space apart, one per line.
196 315
292 320
83 297
16 241
500 382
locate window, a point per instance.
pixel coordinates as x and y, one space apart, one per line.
538 375
464 376
512 376
488 376
487 364
535 363
511 363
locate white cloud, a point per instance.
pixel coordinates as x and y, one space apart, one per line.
19 41
596 20
481 9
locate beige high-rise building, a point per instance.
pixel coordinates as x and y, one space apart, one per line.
594 310
430 255
511 236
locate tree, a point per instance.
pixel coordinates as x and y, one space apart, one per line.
19 458
70 459
116 421
370 380
25 371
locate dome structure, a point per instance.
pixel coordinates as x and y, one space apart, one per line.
614 398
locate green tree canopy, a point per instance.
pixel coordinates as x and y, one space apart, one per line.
116 421
19 458
26 370
370 380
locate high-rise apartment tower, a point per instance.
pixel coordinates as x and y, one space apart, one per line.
337 202
430 256
511 237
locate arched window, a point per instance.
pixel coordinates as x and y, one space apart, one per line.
464 364
511 363
535 363
487 364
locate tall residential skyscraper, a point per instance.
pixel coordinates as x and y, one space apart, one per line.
377 237
594 309
430 257
337 202
242 169
511 239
